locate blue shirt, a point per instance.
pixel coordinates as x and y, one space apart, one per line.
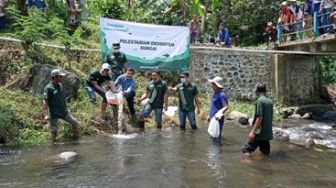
40 4
127 85
224 36
218 100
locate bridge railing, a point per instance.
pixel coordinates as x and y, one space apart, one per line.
302 32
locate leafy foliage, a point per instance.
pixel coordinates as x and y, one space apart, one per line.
328 69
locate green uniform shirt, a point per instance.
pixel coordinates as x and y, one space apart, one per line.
96 76
186 102
54 94
156 92
264 108
116 60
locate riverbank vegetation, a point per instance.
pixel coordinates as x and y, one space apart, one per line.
21 111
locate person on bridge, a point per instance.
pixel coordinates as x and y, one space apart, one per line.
284 18
307 16
297 19
117 61
54 105
218 106
93 83
326 8
157 95
188 97
261 132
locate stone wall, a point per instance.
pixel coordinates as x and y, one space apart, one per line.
290 78
240 69
296 78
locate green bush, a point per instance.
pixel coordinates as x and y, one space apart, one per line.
8 128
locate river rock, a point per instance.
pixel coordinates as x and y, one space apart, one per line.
307 115
310 142
62 158
41 77
295 116
286 112
280 136
235 115
243 121
329 116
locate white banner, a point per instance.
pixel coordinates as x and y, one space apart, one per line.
151 47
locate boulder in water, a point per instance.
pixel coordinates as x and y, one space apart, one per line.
307 115
295 116
310 142
235 115
62 158
243 121
41 77
329 116
281 136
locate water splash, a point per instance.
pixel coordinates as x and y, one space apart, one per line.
322 133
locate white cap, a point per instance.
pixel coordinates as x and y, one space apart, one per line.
57 72
105 66
218 81
284 3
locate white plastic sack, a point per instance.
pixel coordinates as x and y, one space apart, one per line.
171 110
213 128
114 98
144 102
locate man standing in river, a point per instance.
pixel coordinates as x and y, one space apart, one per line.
188 97
54 104
261 132
156 92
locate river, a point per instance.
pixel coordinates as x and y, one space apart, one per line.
167 158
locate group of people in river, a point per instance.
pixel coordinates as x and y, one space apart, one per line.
115 71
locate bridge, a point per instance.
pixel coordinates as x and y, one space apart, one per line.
309 39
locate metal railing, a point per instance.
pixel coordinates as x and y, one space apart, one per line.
300 34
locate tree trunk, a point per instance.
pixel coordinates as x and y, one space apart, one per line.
206 8
21 5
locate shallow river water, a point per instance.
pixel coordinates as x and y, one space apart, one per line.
167 158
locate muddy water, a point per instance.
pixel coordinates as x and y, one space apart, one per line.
167 158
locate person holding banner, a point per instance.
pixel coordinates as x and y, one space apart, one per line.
218 105
93 83
188 97
157 95
117 61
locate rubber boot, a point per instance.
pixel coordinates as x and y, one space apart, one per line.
133 118
141 124
53 137
76 133
159 126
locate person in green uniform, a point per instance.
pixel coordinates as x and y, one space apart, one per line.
188 97
156 92
261 132
93 83
117 60
54 105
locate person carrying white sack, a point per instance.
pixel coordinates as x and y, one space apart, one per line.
218 106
